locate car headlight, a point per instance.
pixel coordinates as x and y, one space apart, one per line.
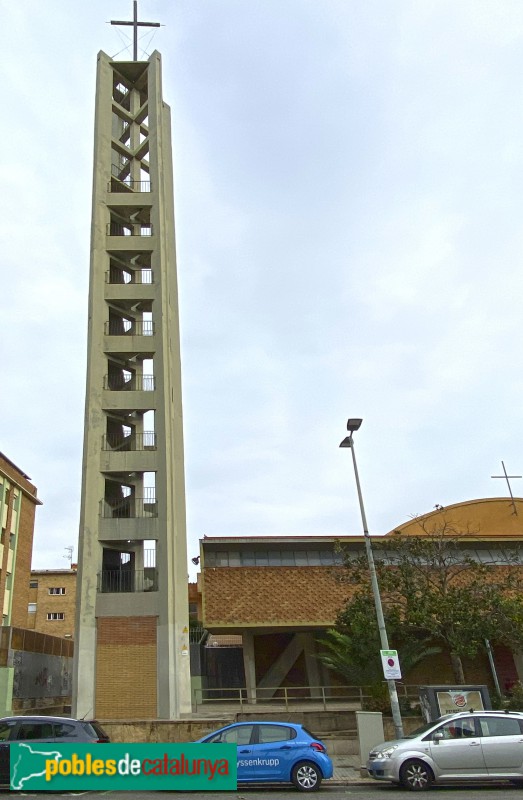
386 752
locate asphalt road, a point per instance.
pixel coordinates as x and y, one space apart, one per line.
347 792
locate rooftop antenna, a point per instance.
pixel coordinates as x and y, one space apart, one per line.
507 477
135 25
69 550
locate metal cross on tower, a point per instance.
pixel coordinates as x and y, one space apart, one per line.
507 477
135 25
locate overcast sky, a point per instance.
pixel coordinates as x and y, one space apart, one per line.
349 217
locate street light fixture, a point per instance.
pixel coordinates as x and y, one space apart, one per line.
352 426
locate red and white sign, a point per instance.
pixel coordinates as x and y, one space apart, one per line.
391 665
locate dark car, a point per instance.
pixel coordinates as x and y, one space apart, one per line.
276 752
44 729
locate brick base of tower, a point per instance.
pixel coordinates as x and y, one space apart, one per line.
126 683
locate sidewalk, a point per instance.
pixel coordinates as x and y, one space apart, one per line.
347 770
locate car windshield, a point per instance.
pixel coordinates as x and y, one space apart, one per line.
422 729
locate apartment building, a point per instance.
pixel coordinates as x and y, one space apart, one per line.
18 501
52 601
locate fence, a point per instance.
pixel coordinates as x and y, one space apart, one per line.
289 697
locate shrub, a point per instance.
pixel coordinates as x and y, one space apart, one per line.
515 699
376 698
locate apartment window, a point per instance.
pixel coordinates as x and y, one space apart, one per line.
31 608
53 615
56 590
33 584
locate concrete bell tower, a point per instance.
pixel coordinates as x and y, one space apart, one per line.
132 643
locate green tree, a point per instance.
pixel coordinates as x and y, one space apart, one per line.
442 586
352 648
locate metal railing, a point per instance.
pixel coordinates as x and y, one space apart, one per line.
131 442
131 383
119 185
117 327
288 697
129 229
197 635
129 508
116 581
121 170
117 275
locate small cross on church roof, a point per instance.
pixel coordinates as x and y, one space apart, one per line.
135 25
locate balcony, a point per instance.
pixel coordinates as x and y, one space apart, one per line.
116 185
129 229
118 581
130 383
129 508
133 452
127 327
117 442
120 275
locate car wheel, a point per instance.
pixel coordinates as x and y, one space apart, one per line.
416 775
306 776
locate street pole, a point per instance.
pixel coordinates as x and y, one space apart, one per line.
393 693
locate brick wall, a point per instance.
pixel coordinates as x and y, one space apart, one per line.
279 596
24 553
133 694
286 596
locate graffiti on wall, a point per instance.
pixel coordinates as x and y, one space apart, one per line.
41 675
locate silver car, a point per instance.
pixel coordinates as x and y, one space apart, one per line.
481 746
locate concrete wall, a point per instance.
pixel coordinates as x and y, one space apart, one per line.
409 724
336 724
160 730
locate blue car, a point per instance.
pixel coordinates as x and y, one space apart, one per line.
276 752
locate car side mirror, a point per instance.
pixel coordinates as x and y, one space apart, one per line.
437 737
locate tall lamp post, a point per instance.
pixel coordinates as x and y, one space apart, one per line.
353 425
